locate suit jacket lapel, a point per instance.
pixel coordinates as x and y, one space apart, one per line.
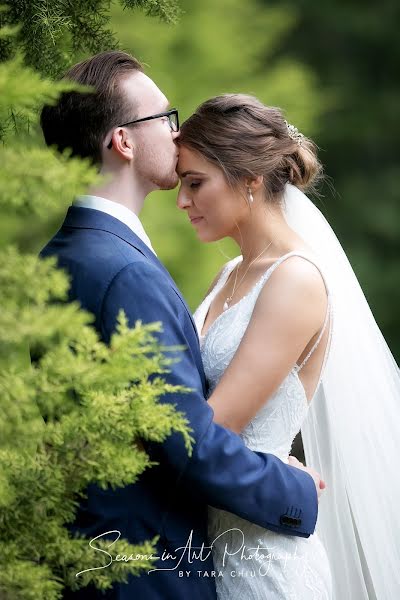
88 218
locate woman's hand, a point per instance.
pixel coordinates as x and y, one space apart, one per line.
319 483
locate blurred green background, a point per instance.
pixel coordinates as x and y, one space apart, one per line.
332 67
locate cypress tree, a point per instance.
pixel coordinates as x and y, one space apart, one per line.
78 412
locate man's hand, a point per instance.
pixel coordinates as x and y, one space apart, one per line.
319 483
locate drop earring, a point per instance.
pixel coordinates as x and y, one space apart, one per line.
251 199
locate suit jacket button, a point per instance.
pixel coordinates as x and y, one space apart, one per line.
289 521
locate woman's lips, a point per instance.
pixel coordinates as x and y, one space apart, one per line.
195 220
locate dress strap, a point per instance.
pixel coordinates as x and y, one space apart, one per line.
267 275
298 368
226 271
201 312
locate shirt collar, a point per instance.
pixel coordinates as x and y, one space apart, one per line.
118 211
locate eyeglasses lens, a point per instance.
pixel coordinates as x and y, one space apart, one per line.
173 122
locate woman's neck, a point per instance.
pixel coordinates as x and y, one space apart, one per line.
264 230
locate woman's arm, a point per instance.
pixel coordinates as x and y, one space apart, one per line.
289 312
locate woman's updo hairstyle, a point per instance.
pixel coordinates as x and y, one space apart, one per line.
245 138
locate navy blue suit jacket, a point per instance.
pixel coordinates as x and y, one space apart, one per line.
110 269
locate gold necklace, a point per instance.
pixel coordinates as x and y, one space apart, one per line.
229 298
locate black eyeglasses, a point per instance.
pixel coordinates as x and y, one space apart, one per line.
173 121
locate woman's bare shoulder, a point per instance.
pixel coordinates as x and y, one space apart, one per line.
297 284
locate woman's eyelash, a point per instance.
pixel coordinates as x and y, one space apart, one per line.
194 184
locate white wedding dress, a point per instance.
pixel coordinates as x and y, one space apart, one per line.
273 566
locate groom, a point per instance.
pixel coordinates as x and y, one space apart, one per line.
128 130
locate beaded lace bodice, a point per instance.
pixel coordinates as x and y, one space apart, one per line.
275 426
289 568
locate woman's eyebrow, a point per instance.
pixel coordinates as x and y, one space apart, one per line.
191 173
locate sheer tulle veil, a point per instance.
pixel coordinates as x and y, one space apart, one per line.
352 431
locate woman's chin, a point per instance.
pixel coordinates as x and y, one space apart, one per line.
207 237
205 233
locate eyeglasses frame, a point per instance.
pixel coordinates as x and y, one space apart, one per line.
168 113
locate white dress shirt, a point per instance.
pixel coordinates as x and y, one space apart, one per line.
118 211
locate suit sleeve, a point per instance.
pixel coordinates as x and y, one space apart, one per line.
255 486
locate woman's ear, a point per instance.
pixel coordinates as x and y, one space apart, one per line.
254 183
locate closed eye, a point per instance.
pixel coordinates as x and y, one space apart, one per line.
194 184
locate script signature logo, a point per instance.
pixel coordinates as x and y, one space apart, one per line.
234 545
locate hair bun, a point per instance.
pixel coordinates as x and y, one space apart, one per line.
304 168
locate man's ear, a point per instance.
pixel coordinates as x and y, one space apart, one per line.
122 144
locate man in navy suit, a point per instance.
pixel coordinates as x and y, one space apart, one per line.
127 129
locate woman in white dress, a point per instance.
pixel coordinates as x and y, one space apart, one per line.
274 355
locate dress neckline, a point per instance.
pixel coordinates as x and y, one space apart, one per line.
223 280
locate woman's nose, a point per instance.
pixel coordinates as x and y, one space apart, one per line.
182 201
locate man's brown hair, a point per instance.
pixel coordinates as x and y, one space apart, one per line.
80 121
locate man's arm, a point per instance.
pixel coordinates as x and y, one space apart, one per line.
256 486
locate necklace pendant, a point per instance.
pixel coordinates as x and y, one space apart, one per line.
226 305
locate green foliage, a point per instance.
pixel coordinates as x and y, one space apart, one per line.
27 579
49 34
217 47
167 10
80 412
224 46
44 38
22 96
33 190
51 179
333 68
354 51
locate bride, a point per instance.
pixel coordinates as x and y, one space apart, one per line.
288 343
